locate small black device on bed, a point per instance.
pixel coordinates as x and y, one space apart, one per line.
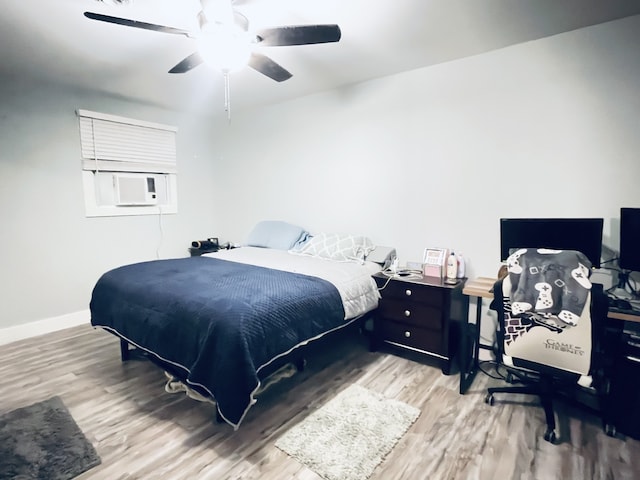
210 244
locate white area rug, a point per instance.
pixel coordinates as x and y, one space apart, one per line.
349 436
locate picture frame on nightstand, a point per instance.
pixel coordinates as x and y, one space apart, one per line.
433 262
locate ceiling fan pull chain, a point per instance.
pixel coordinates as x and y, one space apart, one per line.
227 96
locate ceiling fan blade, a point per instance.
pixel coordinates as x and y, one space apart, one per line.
136 24
268 67
188 63
298 35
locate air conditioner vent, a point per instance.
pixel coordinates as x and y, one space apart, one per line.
135 190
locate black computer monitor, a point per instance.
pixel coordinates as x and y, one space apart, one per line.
582 234
629 257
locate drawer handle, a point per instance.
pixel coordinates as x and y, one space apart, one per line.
407 313
407 334
407 292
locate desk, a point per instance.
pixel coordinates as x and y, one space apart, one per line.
628 317
482 287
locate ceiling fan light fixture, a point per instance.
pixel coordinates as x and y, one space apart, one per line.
223 41
225 47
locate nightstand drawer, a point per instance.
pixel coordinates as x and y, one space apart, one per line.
412 313
413 292
411 336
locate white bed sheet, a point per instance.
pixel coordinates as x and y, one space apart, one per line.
353 280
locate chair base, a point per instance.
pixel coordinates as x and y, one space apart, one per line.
548 389
543 389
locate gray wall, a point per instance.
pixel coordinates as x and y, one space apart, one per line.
432 157
51 254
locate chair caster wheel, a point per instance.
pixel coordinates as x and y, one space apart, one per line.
509 379
610 430
550 436
489 399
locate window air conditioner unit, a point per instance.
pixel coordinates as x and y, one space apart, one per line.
135 190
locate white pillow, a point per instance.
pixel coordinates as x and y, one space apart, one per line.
335 246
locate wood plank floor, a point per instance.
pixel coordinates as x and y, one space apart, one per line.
141 432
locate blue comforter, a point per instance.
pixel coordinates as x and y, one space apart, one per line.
217 321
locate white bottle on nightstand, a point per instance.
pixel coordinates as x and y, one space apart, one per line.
452 266
460 266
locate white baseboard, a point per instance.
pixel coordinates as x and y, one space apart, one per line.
40 327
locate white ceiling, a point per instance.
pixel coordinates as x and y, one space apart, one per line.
52 40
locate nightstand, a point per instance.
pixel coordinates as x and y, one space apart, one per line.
420 314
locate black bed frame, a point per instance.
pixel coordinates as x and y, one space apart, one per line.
297 357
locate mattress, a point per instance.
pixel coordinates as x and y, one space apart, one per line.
353 280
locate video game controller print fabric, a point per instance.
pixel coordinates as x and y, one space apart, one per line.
549 283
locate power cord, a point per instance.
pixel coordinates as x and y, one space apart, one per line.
496 368
161 239
506 376
406 273
624 279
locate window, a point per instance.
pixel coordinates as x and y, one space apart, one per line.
128 166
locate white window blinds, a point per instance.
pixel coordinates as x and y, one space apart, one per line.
118 144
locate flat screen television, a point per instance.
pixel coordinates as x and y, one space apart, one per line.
582 234
629 257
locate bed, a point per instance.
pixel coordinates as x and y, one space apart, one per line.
221 321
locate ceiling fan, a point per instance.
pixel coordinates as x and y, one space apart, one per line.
225 41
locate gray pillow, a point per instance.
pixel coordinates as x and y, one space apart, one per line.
276 234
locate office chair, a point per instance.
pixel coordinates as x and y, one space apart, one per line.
550 322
